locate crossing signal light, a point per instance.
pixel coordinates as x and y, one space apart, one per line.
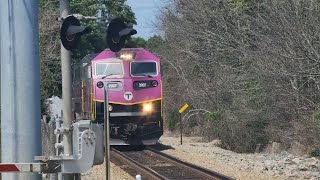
71 31
117 33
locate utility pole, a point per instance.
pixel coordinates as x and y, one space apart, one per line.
20 85
66 91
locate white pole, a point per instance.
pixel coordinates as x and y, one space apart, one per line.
66 91
66 86
138 177
20 85
106 131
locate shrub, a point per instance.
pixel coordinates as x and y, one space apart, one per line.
173 120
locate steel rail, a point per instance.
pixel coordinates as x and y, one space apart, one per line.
136 165
201 170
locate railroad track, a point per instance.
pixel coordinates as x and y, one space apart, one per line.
155 165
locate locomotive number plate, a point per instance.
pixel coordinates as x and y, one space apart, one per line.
142 84
137 85
113 85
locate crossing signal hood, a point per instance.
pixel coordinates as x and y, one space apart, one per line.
71 31
117 33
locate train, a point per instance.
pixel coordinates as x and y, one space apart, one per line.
133 76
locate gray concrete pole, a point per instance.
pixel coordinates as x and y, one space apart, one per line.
66 86
66 91
20 85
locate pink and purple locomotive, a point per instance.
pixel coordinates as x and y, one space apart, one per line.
135 94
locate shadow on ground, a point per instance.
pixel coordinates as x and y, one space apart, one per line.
129 148
161 147
158 146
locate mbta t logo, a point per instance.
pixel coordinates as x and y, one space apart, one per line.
128 96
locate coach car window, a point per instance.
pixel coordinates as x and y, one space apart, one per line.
105 69
143 68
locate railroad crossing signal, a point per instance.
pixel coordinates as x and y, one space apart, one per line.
117 33
71 31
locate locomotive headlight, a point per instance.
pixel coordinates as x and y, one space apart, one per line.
110 108
127 56
147 107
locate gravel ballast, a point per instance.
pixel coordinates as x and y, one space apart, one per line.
282 166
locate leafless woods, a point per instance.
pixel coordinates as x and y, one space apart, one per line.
250 69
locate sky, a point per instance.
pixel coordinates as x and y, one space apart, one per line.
146 12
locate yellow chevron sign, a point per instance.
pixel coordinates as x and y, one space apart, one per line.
183 108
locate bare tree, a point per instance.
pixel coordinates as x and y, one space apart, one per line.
287 59
255 63
49 50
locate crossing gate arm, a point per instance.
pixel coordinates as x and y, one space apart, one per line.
23 167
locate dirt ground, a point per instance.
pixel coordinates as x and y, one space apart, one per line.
204 154
210 156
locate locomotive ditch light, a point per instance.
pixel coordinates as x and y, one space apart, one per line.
110 108
71 31
117 33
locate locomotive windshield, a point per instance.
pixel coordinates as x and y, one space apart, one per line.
143 69
109 69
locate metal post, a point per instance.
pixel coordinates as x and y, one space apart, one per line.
66 91
58 125
106 131
180 128
20 85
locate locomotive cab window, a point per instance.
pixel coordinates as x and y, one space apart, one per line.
109 69
143 68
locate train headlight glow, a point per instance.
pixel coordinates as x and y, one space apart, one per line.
147 107
126 56
110 108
